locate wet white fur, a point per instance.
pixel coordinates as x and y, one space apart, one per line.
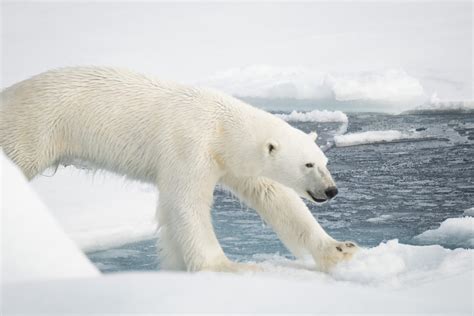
183 139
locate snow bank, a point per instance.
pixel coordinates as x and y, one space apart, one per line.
453 233
34 247
367 138
267 81
99 210
324 116
389 278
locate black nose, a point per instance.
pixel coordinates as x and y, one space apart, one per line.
331 192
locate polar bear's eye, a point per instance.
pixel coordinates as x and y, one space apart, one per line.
309 165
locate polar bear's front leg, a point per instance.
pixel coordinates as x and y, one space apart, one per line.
187 238
291 219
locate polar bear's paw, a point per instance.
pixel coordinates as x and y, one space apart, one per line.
335 252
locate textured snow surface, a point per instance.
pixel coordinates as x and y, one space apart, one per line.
34 246
391 277
453 232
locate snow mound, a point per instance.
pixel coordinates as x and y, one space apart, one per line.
323 116
265 81
453 233
397 265
34 247
99 211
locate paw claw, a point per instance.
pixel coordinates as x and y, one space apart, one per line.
335 252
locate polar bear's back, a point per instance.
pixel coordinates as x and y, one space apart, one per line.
92 113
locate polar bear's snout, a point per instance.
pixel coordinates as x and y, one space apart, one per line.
331 192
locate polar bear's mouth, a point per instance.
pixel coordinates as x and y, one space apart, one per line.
314 197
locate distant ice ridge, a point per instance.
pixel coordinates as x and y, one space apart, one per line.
392 85
453 233
443 106
323 116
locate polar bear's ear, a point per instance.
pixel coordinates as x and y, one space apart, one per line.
313 136
271 147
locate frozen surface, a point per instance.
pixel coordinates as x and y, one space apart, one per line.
100 210
391 277
34 246
453 232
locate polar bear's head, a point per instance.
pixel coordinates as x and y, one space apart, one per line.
293 158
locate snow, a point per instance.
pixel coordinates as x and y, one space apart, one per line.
266 81
34 247
367 138
391 277
323 116
99 210
453 233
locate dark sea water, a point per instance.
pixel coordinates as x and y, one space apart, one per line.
386 191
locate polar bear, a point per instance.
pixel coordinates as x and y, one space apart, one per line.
185 140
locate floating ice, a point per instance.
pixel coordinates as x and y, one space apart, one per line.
100 210
379 219
469 211
367 138
453 233
323 116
